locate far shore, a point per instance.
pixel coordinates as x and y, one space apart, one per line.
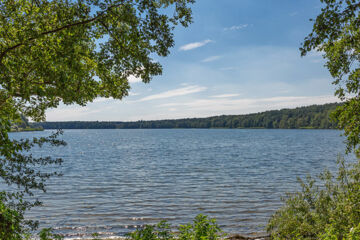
28 129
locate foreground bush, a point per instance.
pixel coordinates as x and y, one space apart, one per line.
10 223
202 228
47 234
148 232
331 234
326 209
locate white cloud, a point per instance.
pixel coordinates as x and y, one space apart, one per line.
248 105
175 93
101 99
133 94
186 109
228 68
70 112
194 45
210 59
226 95
112 100
293 14
282 74
236 27
133 79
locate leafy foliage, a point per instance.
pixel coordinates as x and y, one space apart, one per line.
23 124
54 51
47 234
328 209
316 116
10 223
20 168
348 118
162 231
336 34
330 234
75 51
202 228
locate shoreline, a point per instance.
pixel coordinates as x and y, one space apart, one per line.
231 237
39 129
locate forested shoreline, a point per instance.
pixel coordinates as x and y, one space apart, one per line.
312 117
23 125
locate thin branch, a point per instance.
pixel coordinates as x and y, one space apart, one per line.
110 33
2 55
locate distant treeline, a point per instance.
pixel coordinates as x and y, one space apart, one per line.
315 116
22 125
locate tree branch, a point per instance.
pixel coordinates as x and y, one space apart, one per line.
2 54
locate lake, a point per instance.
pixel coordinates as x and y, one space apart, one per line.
117 180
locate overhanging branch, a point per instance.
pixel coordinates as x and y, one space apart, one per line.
103 13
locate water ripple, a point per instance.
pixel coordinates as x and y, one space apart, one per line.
118 180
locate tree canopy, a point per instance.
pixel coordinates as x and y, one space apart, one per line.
54 51
75 51
336 34
328 208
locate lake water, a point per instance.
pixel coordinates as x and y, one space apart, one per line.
117 180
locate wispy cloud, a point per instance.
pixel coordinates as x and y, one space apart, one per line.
133 79
293 14
236 27
211 59
70 112
101 99
195 45
175 93
226 95
249 105
228 68
133 94
112 100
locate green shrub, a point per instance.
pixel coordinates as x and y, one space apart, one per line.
10 223
47 234
331 234
202 228
95 236
148 232
326 208
14 227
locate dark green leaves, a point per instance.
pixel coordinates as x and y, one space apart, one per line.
200 229
54 51
336 33
75 51
325 208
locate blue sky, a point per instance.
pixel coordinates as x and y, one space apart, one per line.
238 57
